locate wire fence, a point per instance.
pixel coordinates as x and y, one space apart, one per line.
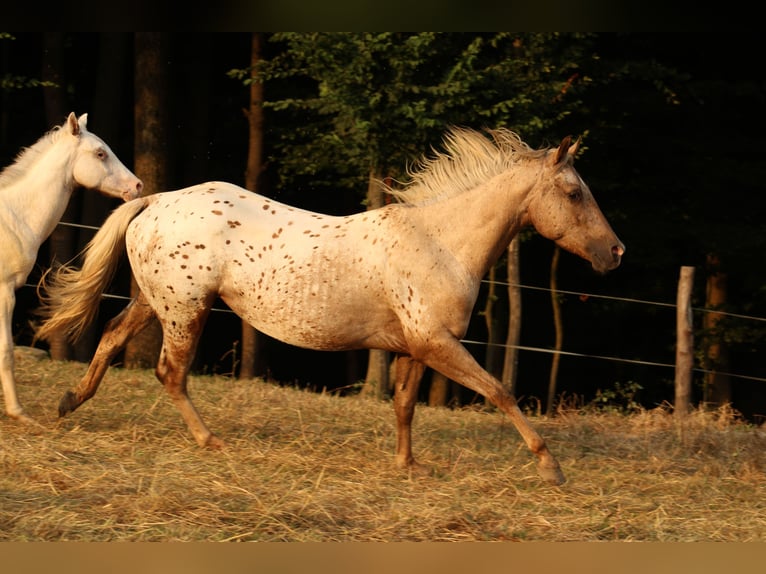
541 349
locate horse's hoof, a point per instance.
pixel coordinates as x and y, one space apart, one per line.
551 473
68 403
417 469
414 468
214 443
27 420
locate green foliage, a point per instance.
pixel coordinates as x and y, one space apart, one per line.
361 103
9 82
621 398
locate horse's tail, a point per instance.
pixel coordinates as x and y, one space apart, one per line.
69 296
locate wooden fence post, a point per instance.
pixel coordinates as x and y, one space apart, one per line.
684 343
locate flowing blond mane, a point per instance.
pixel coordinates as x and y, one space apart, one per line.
27 158
469 158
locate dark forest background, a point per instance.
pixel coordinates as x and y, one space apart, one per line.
672 127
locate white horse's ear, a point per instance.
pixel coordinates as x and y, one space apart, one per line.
83 121
564 148
71 124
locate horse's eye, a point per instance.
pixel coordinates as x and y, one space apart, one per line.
101 154
575 194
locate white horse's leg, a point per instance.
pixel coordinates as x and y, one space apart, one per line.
409 373
118 331
450 358
12 405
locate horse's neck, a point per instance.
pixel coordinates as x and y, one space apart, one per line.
35 202
478 225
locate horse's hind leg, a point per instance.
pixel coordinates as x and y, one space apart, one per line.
118 331
178 347
408 375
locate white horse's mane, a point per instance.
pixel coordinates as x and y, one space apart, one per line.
469 158
27 157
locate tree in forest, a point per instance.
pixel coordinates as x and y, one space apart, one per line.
61 243
559 329
252 341
717 385
151 162
513 333
111 97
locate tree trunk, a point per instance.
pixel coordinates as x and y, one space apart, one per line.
559 326
111 97
151 162
376 383
717 387
439 391
513 338
443 391
493 357
253 362
62 241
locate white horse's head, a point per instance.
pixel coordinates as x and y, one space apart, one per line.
95 166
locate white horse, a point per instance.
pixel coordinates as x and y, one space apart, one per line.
34 192
403 278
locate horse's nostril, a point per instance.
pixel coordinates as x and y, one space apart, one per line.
618 250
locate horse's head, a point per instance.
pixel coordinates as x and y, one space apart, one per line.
95 166
562 208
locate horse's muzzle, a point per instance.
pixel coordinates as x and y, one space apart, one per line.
612 261
617 252
133 192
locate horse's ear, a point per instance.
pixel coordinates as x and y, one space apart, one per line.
561 153
574 147
83 121
72 125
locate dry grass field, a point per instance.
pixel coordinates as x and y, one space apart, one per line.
301 466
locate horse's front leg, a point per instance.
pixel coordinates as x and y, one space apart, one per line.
408 373
450 358
118 331
7 363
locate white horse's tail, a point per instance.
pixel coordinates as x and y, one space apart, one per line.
69 296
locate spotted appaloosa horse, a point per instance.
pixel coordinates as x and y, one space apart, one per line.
34 192
403 278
